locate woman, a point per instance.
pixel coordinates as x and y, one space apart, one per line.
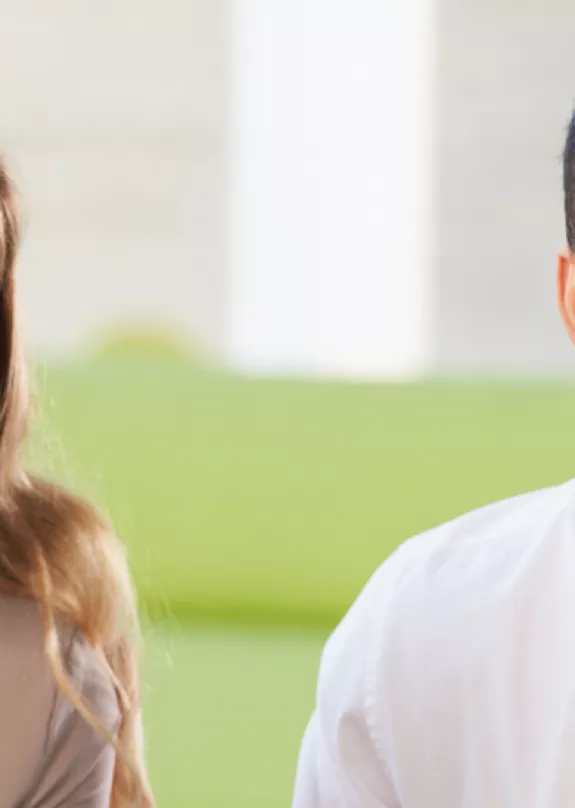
70 726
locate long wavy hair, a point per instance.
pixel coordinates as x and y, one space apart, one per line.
57 549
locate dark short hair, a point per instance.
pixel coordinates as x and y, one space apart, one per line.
569 183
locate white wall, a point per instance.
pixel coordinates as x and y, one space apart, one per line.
115 118
330 153
505 87
112 116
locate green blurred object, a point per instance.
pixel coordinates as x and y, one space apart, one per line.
273 501
145 342
225 712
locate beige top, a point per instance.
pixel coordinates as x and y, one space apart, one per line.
50 757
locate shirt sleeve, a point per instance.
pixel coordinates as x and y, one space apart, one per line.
341 764
78 767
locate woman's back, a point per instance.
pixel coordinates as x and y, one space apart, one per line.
49 754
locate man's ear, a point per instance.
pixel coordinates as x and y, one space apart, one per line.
566 290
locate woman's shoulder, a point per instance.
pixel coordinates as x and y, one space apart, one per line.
24 659
25 681
43 737
27 694
20 623
22 644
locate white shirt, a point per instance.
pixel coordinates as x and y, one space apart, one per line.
451 681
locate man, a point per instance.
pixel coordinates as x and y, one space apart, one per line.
451 681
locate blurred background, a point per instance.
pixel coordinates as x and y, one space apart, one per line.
288 280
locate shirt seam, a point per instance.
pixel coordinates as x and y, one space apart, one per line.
66 656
